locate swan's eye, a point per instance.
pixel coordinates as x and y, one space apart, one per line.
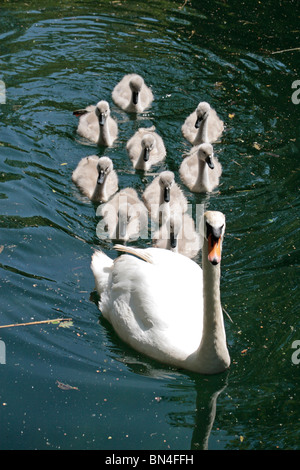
215 232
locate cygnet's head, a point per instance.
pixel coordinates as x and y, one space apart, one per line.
102 111
104 167
202 112
148 143
205 153
214 229
136 84
166 181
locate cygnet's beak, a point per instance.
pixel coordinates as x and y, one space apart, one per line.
209 161
146 154
101 177
198 121
101 119
122 227
135 97
167 194
173 239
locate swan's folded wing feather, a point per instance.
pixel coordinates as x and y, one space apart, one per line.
188 128
215 126
139 253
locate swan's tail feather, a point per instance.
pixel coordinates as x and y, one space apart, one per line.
101 266
135 252
79 112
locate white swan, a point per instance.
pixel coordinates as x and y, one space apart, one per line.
97 125
162 195
178 234
132 94
96 178
203 125
145 148
201 170
161 305
125 216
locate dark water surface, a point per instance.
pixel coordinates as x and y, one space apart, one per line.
58 56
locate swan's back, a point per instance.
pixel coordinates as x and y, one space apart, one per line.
156 306
215 126
88 126
85 175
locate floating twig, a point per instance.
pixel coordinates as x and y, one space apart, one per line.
286 50
36 322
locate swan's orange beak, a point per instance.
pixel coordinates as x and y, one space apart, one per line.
214 249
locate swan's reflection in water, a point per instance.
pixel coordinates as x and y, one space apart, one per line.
206 405
205 388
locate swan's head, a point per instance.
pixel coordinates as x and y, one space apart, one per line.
206 153
135 85
214 229
104 167
202 112
148 144
102 111
166 181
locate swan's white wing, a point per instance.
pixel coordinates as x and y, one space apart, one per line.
156 307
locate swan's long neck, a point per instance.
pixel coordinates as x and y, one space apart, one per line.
141 164
202 134
164 208
170 246
213 352
203 175
104 134
100 193
134 104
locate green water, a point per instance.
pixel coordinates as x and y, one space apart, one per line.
58 56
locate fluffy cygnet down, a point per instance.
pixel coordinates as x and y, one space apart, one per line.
145 148
162 195
201 170
97 125
132 94
178 234
96 178
125 216
202 125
